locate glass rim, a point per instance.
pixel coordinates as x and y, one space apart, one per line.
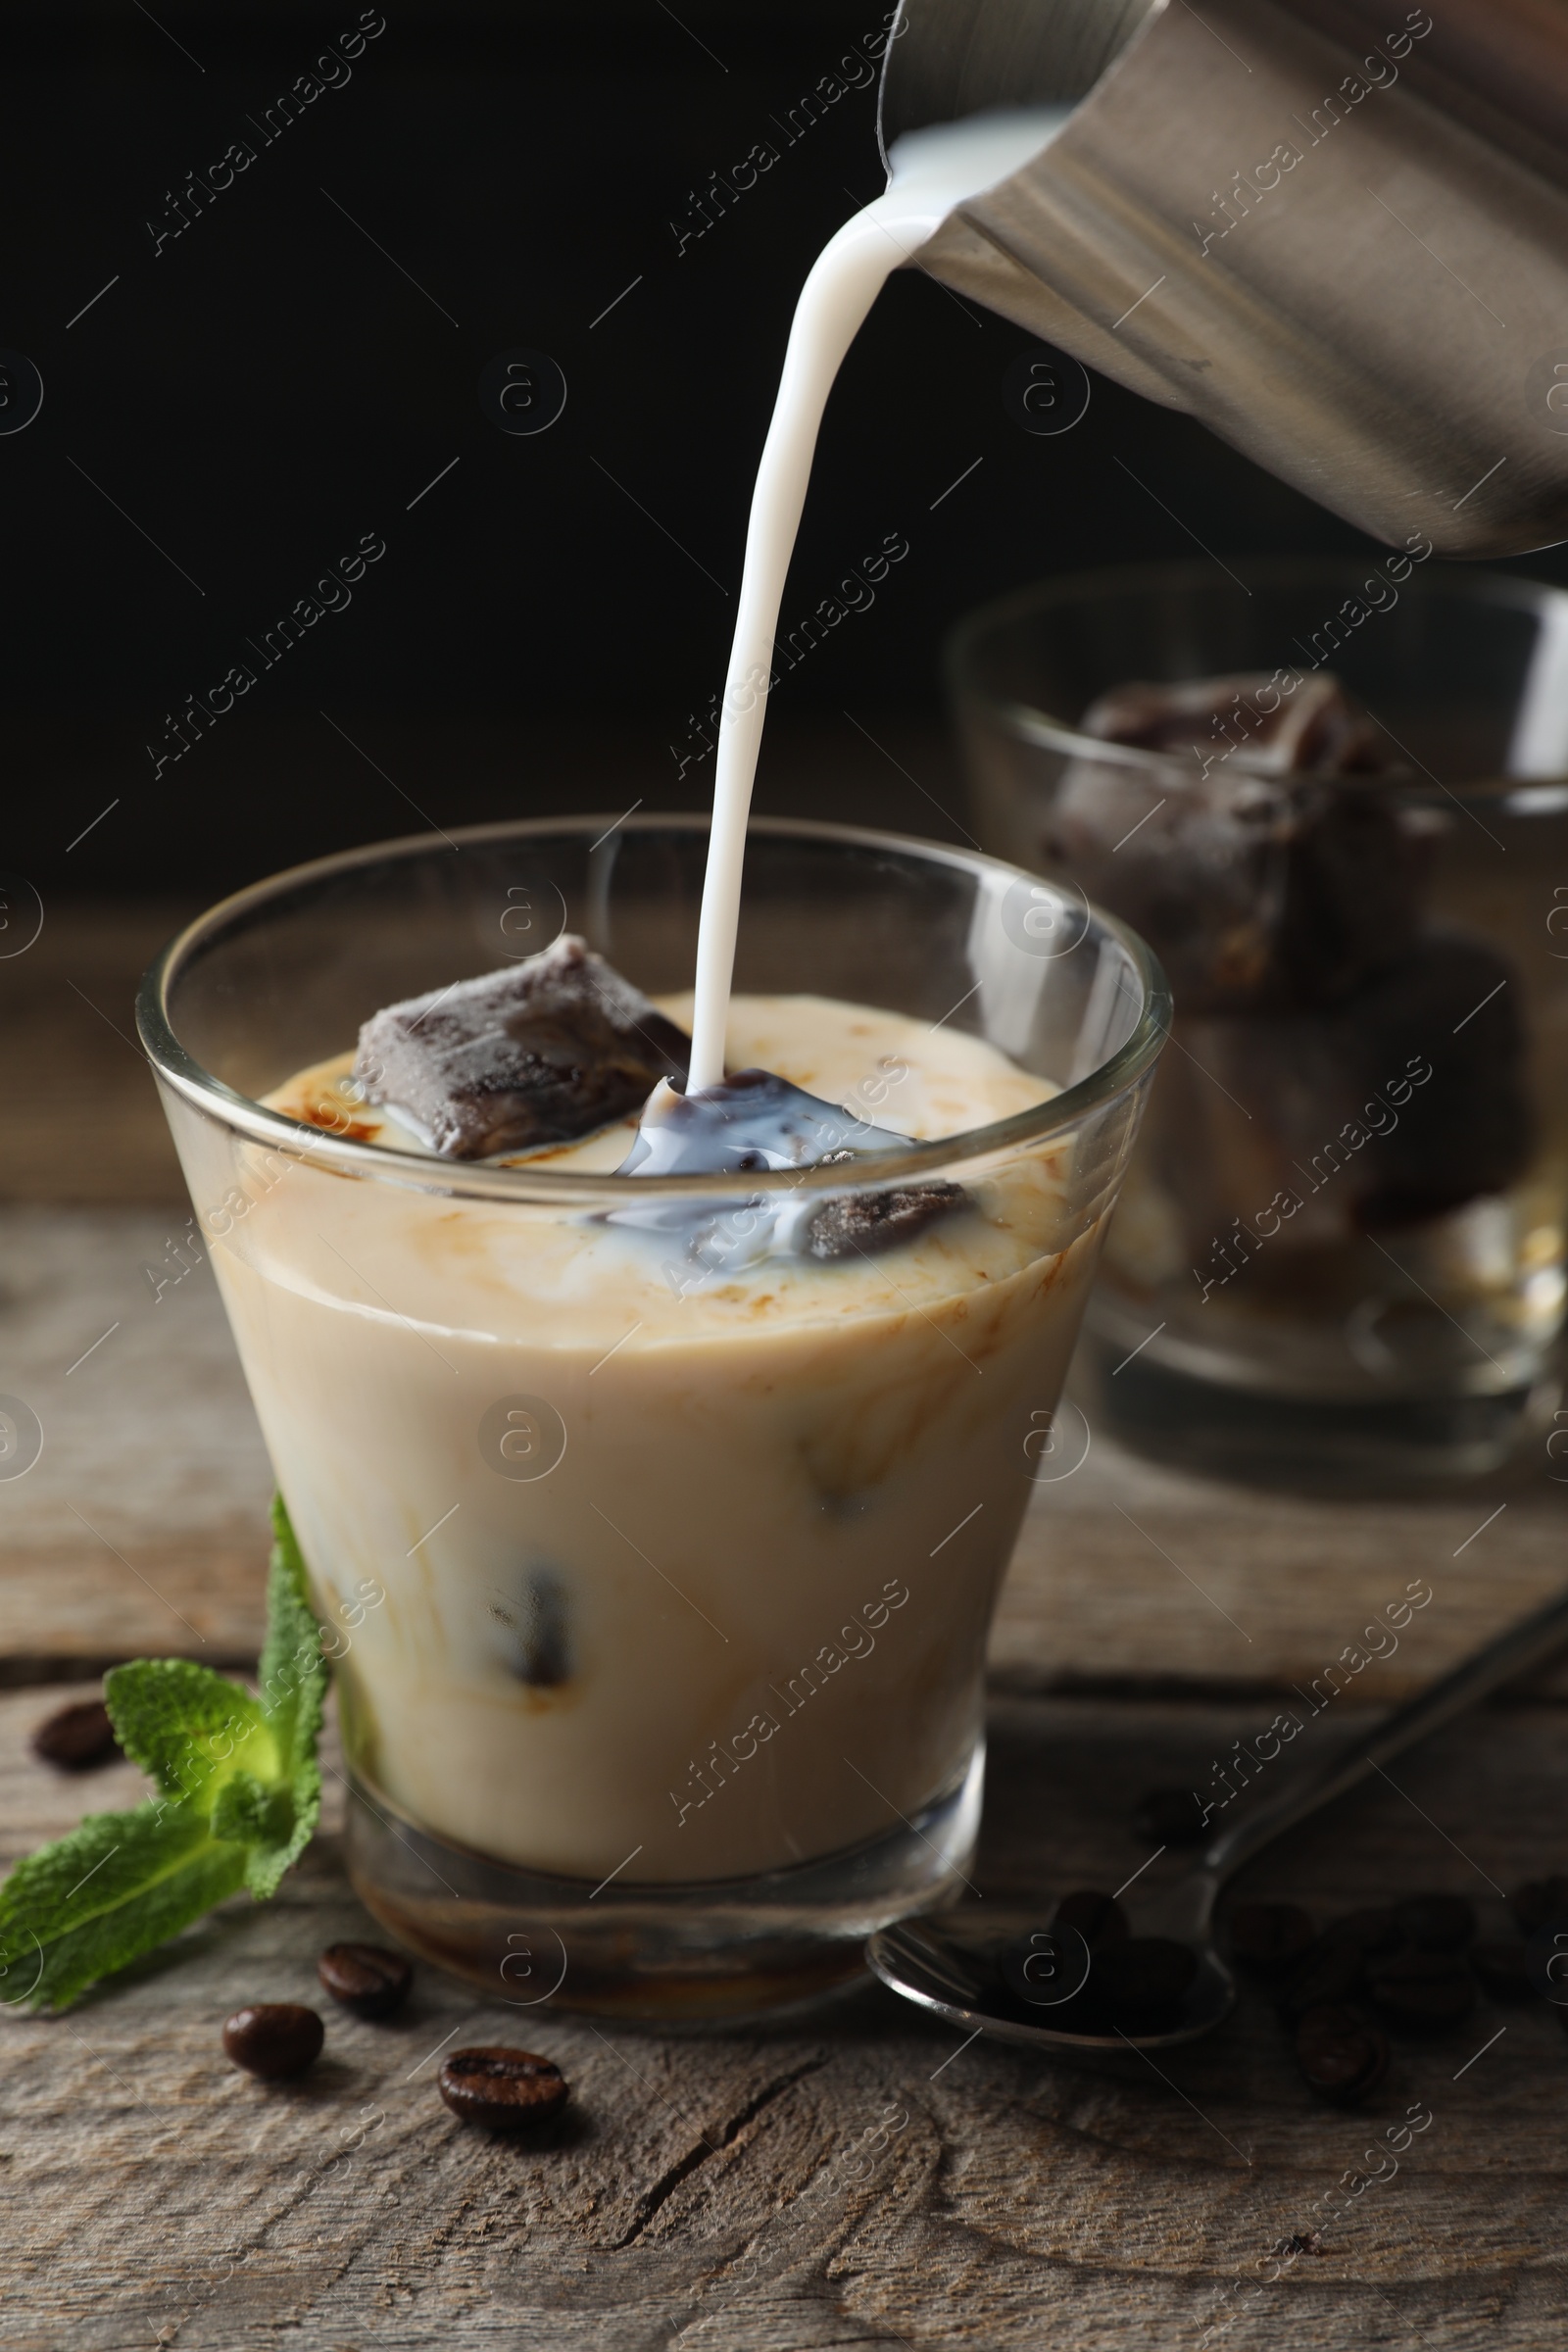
1031 724
485 1180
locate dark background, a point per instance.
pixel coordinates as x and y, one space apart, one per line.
270 385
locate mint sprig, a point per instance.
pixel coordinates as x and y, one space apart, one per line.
239 1797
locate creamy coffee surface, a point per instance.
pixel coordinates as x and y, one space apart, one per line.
685 1565
886 1068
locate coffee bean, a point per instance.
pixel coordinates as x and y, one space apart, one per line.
1341 2054
1501 1970
1098 1918
1045 1968
1436 1923
366 1977
1170 1817
274 2039
1328 1976
77 1738
1424 1992
1270 1937
1376 1930
1141 1985
502 2088
1536 1901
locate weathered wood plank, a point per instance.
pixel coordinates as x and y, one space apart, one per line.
142 1527
1133 1574
736 2186
83 1119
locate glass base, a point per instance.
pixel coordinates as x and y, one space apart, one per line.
1355 1447
715 1951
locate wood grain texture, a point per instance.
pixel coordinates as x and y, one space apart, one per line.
142 1527
83 1119
858 2180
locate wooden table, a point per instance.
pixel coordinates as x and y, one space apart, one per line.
863 2178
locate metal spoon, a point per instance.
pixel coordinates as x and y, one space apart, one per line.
946 1967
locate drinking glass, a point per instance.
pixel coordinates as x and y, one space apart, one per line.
1340 1251
657 1602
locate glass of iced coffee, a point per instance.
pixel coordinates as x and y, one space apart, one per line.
1336 807
660 1516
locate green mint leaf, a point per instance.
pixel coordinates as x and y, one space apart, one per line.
293 1678
118 1885
265 1865
186 1726
246 1813
291 1672
267 1823
241 1798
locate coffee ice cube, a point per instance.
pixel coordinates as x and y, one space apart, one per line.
540 1053
534 1628
1259 869
1314 729
1402 1104
864 1224
1454 1005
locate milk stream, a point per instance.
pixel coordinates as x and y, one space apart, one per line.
932 171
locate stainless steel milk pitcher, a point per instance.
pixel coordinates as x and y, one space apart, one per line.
1336 231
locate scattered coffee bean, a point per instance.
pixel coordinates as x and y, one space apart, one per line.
1424 1992
1536 1901
1371 1931
274 2039
1045 1968
1270 1937
1501 1970
502 2088
1141 1985
1343 2056
77 1738
1098 1918
1170 1817
1328 1976
1436 1923
366 1977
